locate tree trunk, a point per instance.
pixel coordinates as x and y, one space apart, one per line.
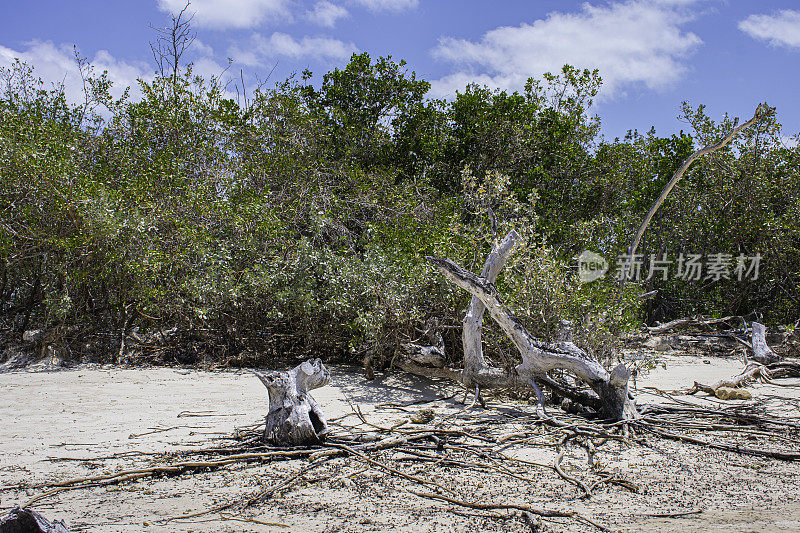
294 418
476 371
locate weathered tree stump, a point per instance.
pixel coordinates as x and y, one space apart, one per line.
294 418
761 351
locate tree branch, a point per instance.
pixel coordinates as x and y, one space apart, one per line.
761 111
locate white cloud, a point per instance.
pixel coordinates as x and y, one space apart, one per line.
780 29
230 13
263 50
56 65
201 49
248 57
633 42
389 5
319 47
326 14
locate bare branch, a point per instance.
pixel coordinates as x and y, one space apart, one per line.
762 111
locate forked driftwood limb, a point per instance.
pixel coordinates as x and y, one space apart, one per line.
762 111
294 418
477 373
538 358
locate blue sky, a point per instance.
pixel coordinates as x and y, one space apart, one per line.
652 54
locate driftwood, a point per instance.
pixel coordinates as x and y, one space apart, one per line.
21 520
759 369
425 355
430 355
294 418
477 373
687 322
761 352
538 358
725 389
721 335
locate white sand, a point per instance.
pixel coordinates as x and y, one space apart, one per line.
96 412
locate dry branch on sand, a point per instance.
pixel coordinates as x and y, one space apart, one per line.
759 368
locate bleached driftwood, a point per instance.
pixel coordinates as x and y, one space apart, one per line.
425 355
756 370
691 322
761 351
538 358
477 373
294 418
432 354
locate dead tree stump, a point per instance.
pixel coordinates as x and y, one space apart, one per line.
761 351
294 418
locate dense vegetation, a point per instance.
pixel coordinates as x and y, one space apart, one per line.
297 221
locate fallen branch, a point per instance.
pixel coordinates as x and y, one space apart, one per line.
682 323
756 370
170 469
752 372
539 357
744 450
